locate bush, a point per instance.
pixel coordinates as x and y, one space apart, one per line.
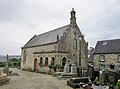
50 66
118 84
96 82
2 64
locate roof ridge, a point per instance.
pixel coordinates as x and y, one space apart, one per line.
47 37
52 30
29 40
108 40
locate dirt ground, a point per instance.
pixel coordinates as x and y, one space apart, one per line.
31 80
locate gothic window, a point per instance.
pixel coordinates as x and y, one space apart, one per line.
75 43
41 61
46 61
53 61
102 58
24 56
63 61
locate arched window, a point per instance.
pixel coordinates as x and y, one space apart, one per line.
53 61
63 61
46 61
41 61
75 43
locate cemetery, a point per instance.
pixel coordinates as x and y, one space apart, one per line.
101 79
107 79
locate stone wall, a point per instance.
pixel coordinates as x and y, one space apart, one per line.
30 57
78 55
29 63
109 59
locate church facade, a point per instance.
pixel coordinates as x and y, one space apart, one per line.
56 47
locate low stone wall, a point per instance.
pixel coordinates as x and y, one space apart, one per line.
27 69
60 69
43 70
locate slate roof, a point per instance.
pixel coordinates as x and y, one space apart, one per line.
107 46
46 38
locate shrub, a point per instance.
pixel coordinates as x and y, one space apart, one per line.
118 84
50 66
2 64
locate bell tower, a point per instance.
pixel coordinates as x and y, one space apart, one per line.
73 18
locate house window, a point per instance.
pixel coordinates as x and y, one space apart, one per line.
102 66
118 58
75 43
102 58
105 43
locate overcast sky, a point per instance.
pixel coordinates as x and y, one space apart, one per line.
21 19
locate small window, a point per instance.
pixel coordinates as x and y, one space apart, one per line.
102 58
112 66
118 58
105 43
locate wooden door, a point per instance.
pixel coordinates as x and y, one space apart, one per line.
36 65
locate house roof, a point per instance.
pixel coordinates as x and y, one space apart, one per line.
108 46
46 38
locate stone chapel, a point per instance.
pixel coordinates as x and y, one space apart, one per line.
56 47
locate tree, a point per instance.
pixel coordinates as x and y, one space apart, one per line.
13 62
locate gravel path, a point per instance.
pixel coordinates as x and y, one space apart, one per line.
31 80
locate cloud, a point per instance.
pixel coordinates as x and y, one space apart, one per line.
9 10
21 19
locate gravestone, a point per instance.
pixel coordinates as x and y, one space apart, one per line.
102 77
73 69
66 73
6 69
3 78
90 72
66 68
